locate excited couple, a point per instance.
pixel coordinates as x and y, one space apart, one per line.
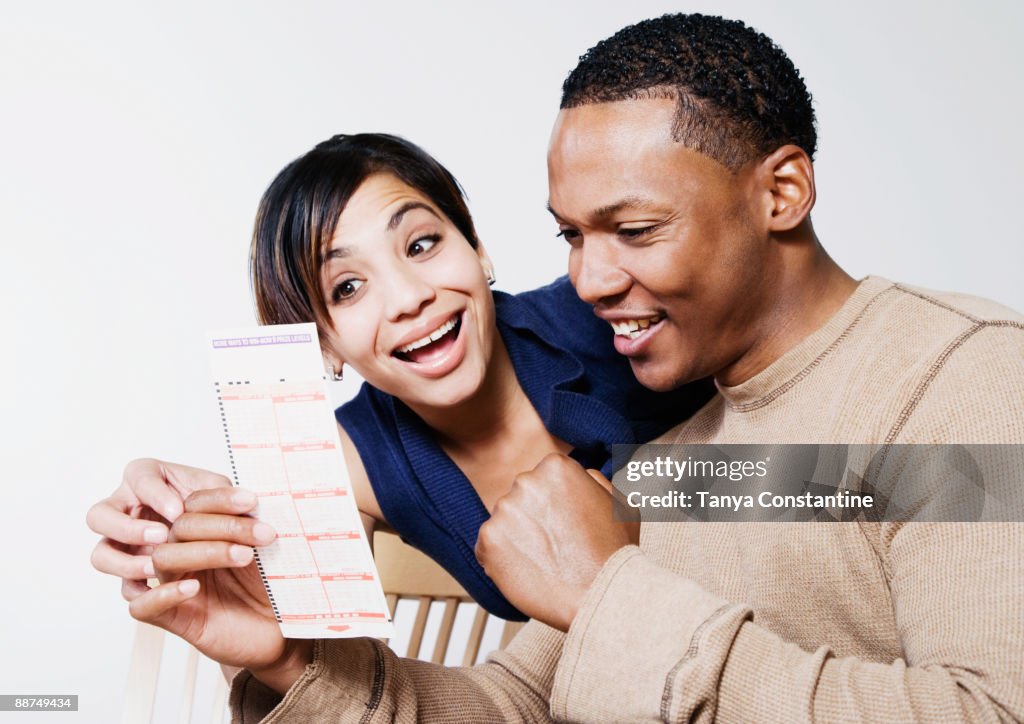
681 177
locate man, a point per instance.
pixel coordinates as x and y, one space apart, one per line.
681 176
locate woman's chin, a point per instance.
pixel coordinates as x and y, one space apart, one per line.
450 392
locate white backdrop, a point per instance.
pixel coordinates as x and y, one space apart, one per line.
136 141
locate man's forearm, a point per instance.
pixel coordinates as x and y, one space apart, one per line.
653 645
363 680
283 674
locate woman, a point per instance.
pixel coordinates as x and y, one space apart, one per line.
370 237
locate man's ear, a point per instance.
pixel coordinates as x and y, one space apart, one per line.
787 175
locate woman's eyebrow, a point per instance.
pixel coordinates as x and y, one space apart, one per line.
396 218
338 252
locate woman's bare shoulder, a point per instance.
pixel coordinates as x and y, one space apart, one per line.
366 500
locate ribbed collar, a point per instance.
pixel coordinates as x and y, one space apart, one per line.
798 363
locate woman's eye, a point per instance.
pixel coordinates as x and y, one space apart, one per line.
345 289
423 244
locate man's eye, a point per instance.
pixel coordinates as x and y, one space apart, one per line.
629 232
570 235
345 289
423 244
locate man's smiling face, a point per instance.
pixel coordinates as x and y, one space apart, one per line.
669 245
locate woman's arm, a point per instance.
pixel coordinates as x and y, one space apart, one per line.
366 499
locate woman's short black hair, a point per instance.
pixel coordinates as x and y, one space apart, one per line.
299 212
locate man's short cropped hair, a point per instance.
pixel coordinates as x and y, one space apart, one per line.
738 96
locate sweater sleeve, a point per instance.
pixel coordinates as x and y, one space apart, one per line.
649 645
362 680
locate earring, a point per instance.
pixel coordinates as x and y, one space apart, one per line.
490 277
336 374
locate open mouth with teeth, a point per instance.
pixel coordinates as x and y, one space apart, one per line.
633 328
430 347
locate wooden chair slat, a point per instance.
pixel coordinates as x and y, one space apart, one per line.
444 634
476 635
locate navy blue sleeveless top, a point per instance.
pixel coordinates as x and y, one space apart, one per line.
583 391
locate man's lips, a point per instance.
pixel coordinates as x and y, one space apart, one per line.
634 334
633 327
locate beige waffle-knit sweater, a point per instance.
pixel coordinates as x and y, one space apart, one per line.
762 622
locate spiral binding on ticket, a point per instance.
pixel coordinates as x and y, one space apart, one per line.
237 483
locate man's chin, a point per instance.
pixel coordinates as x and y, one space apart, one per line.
657 377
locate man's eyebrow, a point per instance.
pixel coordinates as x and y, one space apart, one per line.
396 218
629 202
604 212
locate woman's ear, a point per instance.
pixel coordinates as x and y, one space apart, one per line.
787 175
334 366
486 263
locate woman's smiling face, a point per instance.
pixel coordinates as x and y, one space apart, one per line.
407 296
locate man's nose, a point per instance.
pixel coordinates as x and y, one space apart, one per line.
407 293
595 268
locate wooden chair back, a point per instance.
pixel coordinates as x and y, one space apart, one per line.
407 573
193 689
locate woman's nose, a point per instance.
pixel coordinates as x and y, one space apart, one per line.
407 294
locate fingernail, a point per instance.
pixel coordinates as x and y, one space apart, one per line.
154 534
240 554
188 587
263 533
148 569
243 498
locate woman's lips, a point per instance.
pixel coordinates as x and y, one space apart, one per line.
435 357
406 350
